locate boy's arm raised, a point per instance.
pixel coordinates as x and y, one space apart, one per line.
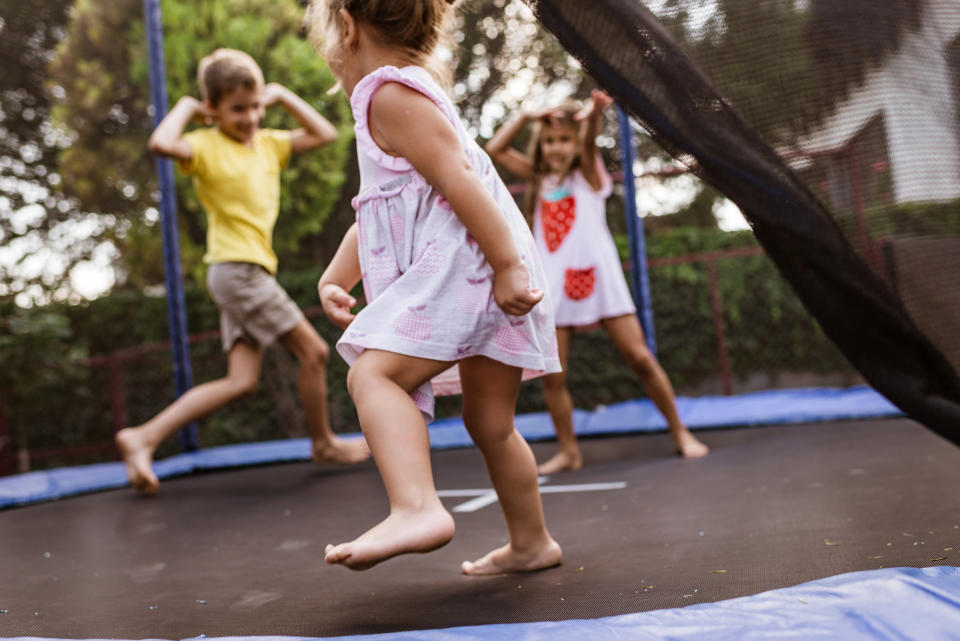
167 139
316 130
406 123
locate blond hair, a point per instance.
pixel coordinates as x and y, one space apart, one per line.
561 116
415 27
221 72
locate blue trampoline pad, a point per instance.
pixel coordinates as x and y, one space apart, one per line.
879 605
772 407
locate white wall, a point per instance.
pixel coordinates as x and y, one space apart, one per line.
913 90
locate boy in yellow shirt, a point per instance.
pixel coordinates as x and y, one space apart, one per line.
236 171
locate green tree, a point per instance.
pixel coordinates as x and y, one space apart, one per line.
29 182
39 342
503 59
101 70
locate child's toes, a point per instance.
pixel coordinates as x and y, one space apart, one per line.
335 554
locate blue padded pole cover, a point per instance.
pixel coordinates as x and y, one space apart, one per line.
640 279
176 303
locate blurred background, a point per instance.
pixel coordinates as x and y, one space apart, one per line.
860 98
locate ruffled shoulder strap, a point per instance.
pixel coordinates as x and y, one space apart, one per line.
416 78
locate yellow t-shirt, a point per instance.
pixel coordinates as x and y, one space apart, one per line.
239 187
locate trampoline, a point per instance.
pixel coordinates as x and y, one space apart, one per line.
238 552
798 524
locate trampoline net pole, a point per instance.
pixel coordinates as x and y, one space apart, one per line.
639 277
176 302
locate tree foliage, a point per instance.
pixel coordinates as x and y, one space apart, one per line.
103 74
28 146
504 59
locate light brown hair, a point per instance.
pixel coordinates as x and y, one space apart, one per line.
415 27
224 70
562 116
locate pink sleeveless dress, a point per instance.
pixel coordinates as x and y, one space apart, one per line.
579 256
427 284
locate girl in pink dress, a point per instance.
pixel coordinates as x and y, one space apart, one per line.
568 190
455 292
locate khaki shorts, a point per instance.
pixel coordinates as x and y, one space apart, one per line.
253 306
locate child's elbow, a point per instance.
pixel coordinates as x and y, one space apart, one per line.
326 138
156 146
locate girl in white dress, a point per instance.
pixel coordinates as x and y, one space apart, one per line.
568 190
454 288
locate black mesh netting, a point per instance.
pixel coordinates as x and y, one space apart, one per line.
839 218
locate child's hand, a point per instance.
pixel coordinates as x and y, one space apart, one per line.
336 304
201 113
511 290
272 93
552 115
599 100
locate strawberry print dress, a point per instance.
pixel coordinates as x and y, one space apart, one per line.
584 276
427 285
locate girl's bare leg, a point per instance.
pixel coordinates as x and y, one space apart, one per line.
628 337
560 405
137 444
490 391
379 383
313 352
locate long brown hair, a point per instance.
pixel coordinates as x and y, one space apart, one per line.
562 116
414 26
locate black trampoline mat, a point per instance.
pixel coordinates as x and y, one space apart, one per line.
239 552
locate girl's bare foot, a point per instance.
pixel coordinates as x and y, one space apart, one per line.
137 456
506 560
561 461
688 446
340 450
402 532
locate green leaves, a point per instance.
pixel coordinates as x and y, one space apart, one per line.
106 107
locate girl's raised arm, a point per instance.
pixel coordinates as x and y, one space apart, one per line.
591 121
406 123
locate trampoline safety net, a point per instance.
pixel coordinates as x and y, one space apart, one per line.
838 137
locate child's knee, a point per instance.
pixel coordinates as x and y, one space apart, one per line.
640 359
320 353
556 382
244 385
489 431
358 376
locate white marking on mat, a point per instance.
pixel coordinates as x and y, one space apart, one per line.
486 496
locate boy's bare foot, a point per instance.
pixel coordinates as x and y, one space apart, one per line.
561 461
506 560
137 456
340 450
688 446
400 533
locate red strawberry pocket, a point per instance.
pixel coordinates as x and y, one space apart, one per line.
557 217
579 283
